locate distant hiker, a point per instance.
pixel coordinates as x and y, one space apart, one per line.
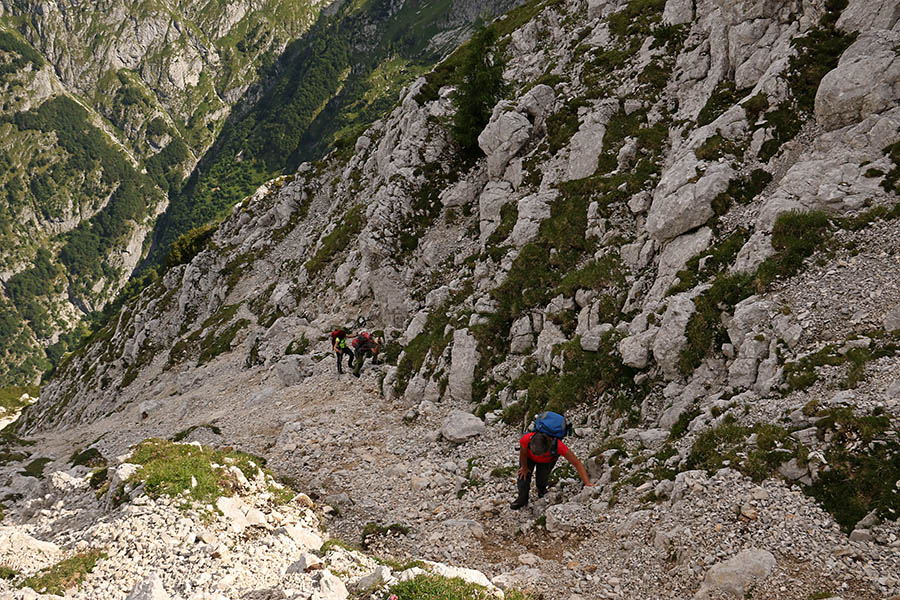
364 344
340 347
539 450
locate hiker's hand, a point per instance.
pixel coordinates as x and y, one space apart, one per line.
523 472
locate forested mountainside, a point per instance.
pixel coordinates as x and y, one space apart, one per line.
673 220
108 108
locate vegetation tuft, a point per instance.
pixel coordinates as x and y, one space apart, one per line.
65 574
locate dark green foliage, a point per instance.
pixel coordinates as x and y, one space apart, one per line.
715 260
585 376
742 191
432 340
723 97
25 54
795 237
338 240
39 280
90 457
186 432
10 397
864 467
86 248
637 19
300 346
890 183
189 245
680 426
705 329
563 124
818 53
98 478
802 374
481 86
716 147
36 468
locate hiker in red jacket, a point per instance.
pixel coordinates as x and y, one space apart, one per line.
539 452
364 344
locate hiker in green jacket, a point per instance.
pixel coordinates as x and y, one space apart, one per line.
340 347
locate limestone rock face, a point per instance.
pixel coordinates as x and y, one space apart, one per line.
533 210
866 81
679 203
504 136
671 337
463 359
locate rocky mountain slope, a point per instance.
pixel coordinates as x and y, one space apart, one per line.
108 108
682 233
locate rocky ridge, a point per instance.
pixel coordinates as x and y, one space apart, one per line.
628 250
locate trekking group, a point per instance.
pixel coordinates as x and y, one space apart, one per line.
539 449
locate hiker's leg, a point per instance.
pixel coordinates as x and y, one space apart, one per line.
340 359
349 354
542 477
524 485
358 362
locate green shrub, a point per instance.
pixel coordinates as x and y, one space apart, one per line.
36 468
89 457
795 236
722 98
189 245
715 261
864 465
65 574
481 86
435 587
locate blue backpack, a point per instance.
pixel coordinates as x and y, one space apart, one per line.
553 424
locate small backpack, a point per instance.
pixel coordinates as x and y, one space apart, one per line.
363 338
553 424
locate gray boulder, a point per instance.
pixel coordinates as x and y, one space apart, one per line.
461 426
495 195
330 587
866 81
681 204
533 210
463 358
293 369
522 336
635 349
678 12
861 15
505 134
671 338
736 574
593 339
892 320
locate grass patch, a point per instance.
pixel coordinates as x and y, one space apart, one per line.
435 587
723 97
65 574
715 261
300 346
11 397
795 236
167 469
36 468
89 457
741 191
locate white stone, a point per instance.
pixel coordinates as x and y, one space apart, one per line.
460 426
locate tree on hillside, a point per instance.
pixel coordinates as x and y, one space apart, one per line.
480 88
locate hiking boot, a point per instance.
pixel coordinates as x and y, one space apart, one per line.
541 493
518 504
355 374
